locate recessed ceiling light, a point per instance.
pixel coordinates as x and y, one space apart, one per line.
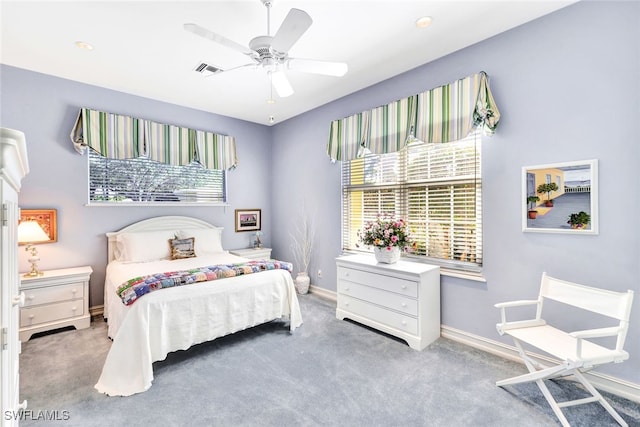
84 45
271 101
423 22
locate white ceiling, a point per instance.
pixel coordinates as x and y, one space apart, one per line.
141 48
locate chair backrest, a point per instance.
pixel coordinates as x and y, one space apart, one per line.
608 303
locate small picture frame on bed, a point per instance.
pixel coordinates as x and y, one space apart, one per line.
248 219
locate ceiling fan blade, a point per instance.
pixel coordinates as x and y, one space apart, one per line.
252 65
327 68
281 84
293 27
207 34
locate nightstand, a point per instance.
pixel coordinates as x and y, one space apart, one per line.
54 300
252 253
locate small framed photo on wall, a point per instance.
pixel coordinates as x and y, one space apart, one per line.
46 219
248 219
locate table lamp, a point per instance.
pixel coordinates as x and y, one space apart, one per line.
31 232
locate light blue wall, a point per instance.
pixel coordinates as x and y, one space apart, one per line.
568 88
567 85
45 109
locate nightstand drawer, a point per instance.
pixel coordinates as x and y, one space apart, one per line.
386 299
53 294
395 320
49 313
388 283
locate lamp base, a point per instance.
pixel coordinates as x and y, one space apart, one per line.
34 262
33 274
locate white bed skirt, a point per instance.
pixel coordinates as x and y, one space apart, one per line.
172 319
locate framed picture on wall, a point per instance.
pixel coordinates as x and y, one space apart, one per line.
46 218
248 219
560 197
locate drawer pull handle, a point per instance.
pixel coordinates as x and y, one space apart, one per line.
404 304
31 297
74 308
19 300
31 316
404 286
74 290
346 289
404 323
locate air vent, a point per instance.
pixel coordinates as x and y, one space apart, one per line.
207 69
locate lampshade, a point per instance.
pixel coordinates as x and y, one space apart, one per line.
31 232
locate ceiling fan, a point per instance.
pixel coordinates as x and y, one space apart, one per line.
271 52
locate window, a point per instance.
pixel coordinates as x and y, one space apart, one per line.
435 187
144 181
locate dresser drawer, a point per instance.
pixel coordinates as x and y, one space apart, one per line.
395 320
52 294
377 296
49 313
381 281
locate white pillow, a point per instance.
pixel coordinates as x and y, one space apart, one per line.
144 246
208 240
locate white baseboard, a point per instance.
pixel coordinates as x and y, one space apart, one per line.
323 293
604 382
97 311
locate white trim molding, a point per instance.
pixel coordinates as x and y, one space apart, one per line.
324 293
605 382
96 311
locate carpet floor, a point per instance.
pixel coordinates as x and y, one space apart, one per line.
327 373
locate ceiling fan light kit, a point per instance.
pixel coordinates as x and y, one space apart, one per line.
271 53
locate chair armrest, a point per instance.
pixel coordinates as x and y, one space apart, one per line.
596 333
592 333
502 326
516 303
505 326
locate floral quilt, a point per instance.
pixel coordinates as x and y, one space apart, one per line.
135 288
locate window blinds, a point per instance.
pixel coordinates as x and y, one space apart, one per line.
435 187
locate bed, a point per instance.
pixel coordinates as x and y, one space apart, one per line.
176 318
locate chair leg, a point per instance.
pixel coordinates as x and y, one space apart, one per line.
601 399
539 372
552 402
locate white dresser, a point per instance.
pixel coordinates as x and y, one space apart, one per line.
252 253
54 300
401 299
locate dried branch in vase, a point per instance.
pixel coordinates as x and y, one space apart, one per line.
302 236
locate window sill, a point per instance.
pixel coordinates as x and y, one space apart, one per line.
466 275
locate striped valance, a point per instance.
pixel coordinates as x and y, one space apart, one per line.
123 137
444 114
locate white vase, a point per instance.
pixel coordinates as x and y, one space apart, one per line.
302 283
387 256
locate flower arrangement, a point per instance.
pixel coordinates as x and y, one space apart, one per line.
386 232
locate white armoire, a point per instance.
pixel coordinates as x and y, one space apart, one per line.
13 167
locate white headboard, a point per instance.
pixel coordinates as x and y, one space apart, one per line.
155 224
